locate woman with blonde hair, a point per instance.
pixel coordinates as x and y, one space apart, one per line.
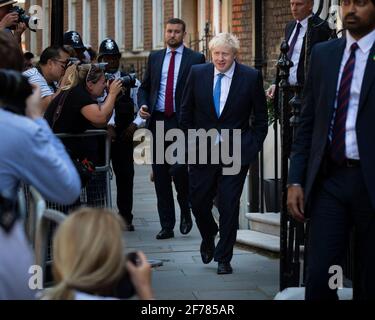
76 109
89 260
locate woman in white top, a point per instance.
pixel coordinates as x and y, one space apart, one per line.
89 260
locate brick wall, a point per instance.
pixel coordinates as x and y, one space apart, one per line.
110 19
242 28
128 25
147 18
94 23
168 10
66 23
276 15
79 17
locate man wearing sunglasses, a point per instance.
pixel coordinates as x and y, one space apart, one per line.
49 72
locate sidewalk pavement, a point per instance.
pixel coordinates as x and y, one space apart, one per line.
183 276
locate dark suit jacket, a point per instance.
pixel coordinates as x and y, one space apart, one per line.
246 95
321 32
148 91
312 136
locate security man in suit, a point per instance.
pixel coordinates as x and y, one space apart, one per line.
122 127
160 97
223 95
296 35
332 173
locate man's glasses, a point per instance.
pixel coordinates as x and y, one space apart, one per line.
63 64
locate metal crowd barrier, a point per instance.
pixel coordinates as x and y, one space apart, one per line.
97 193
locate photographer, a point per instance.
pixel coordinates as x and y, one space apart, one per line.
31 154
89 261
49 71
122 127
9 20
76 110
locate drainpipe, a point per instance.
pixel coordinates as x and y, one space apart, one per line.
57 22
256 169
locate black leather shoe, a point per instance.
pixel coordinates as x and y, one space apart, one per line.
186 223
208 249
165 234
224 268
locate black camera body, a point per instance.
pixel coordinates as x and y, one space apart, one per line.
128 81
23 17
125 288
8 214
14 91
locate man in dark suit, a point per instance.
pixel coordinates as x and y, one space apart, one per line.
332 174
222 96
160 97
296 33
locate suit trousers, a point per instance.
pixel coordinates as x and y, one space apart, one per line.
165 173
206 182
123 167
339 202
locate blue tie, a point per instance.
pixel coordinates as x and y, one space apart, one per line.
217 93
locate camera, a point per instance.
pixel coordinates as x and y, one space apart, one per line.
8 214
125 288
128 81
14 91
23 17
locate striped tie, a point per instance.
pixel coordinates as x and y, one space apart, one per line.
338 154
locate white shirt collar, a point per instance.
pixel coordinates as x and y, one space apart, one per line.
229 72
305 21
179 50
365 43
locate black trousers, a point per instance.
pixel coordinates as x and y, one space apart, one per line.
123 167
206 182
165 173
340 202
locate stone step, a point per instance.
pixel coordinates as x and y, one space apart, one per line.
259 240
268 223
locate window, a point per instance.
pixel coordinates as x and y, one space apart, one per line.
227 15
72 15
119 24
216 17
138 23
46 24
201 20
102 19
158 24
177 9
86 15
32 34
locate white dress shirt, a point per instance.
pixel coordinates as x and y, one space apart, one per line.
297 49
160 105
226 82
361 56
